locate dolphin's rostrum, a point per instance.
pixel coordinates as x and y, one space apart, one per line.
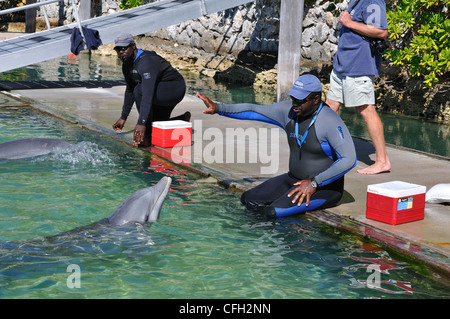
143 206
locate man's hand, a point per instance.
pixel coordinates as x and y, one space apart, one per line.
118 126
363 29
345 19
139 133
304 189
211 106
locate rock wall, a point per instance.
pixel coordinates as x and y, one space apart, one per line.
61 12
252 27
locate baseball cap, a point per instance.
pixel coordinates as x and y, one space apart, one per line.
123 40
305 85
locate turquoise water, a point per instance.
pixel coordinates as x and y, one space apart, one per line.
206 245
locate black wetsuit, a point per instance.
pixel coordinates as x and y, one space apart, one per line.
326 154
154 85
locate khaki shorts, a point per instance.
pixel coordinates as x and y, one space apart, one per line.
351 90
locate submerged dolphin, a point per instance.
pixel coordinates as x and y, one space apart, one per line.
29 147
143 206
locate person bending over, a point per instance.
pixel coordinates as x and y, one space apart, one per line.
152 83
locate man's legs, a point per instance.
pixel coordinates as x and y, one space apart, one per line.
335 96
264 194
334 105
272 197
324 196
167 96
350 90
376 133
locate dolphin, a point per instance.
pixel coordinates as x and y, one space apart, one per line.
108 234
29 147
143 206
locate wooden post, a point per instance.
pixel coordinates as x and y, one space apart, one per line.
30 18
85 9
289 46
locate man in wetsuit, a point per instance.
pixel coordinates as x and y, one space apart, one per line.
321 150
152 83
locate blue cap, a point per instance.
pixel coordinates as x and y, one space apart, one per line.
305 85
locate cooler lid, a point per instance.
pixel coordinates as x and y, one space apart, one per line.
172 124
396 189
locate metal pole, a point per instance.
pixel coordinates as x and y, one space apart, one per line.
46 17
85 9
203 7
77 18
289 46
30 18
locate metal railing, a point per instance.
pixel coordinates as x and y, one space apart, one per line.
41 5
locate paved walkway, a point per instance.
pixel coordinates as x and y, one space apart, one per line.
427 240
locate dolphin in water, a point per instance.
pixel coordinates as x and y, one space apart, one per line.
109 235
29 147
143 206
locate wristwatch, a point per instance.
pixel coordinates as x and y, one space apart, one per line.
313 183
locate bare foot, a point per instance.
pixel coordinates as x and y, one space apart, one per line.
375 169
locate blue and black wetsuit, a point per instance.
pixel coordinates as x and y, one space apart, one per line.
326 154
154 85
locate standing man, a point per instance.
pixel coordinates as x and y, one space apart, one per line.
354 68
152 83
321 150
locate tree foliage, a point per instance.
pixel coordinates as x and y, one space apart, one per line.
127 4
11 3
420 33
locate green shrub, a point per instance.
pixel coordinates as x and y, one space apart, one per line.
127 4
420 33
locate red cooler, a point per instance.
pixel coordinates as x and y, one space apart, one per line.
395 202
172 133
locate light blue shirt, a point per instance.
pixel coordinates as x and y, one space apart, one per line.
353 56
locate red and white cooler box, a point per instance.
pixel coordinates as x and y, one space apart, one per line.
395 202
172 133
